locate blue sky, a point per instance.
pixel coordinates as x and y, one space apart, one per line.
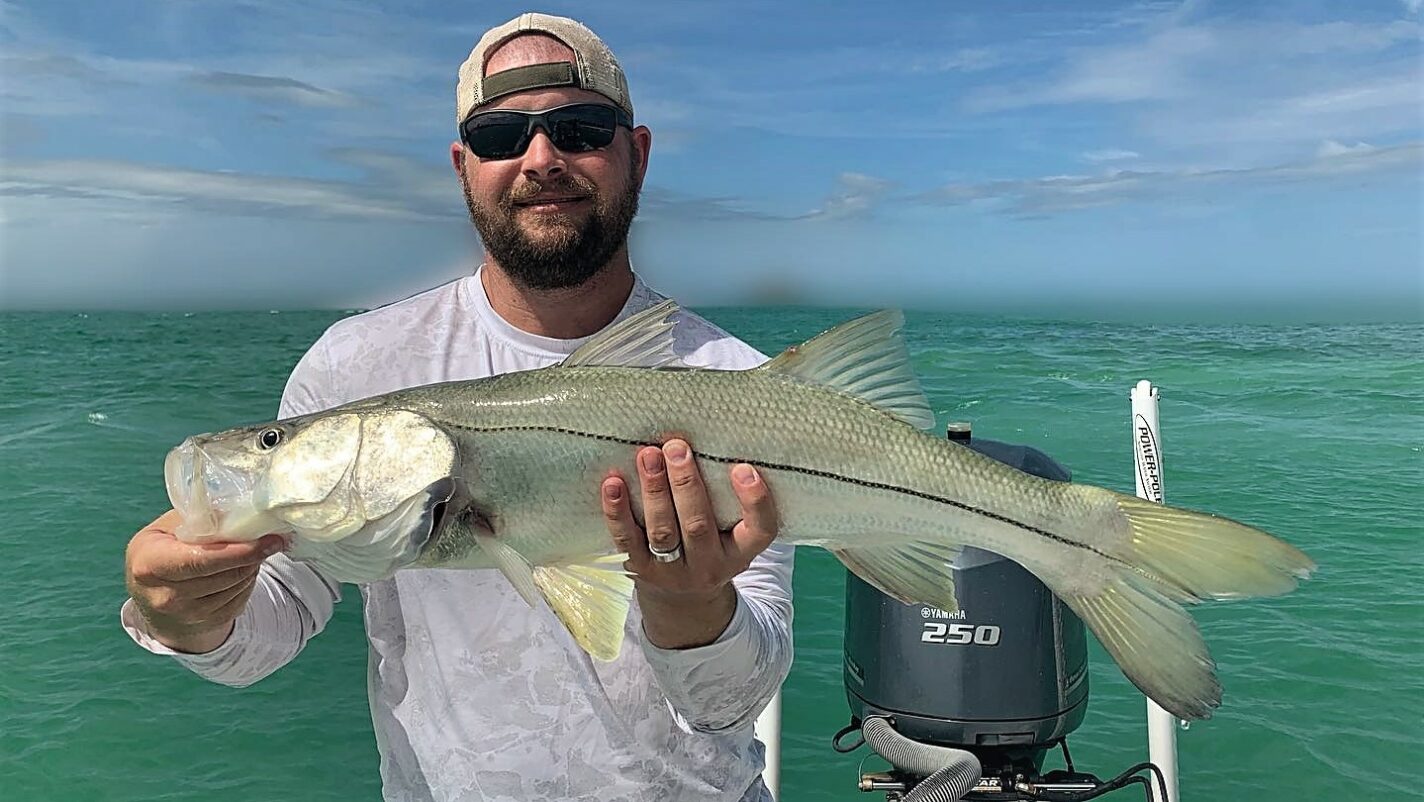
1001 156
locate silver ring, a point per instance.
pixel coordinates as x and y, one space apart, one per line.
670 556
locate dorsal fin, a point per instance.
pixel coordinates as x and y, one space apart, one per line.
866 358
643 340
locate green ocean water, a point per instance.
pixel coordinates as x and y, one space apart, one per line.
1314 433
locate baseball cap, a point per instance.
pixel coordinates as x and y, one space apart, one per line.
594 67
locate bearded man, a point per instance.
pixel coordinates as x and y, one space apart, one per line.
474 694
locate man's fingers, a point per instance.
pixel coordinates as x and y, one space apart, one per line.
695 517
659 512
618 515
178 562
232 608
758 527
206 609
221 582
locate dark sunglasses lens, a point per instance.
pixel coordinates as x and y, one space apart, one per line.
574 129
496 136
582 128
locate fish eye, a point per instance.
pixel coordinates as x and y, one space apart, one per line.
269 438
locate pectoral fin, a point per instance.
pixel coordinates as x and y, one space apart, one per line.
513 565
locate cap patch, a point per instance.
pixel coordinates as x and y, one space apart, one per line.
532 76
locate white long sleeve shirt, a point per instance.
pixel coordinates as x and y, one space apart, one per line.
474 695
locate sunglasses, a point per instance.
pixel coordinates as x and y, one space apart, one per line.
575 128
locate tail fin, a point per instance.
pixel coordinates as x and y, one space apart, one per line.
1210 557
1156 644
1177 556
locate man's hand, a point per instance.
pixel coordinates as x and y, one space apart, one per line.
190 595
690 601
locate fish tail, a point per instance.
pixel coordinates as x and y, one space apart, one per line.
1173 557
1208 556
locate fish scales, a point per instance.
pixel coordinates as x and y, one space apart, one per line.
584 422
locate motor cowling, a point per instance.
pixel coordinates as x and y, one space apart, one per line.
1004 677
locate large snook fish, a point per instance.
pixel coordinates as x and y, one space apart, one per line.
504 473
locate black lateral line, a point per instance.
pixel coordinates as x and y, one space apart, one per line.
809 472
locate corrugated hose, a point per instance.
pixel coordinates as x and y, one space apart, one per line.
949 773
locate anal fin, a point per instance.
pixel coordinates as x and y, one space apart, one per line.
912 573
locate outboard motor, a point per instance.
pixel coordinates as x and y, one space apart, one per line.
967 705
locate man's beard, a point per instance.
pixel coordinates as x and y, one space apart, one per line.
575 252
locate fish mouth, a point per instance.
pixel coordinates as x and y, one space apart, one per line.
185 493
214 500
184 474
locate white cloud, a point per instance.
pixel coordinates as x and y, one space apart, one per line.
1110 155
965 59
391 187
1188 61
321 55
33 66
1231 89
1330 148
268 88
1150 70
1057 194
1383 104
659 204
855 195
129 186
